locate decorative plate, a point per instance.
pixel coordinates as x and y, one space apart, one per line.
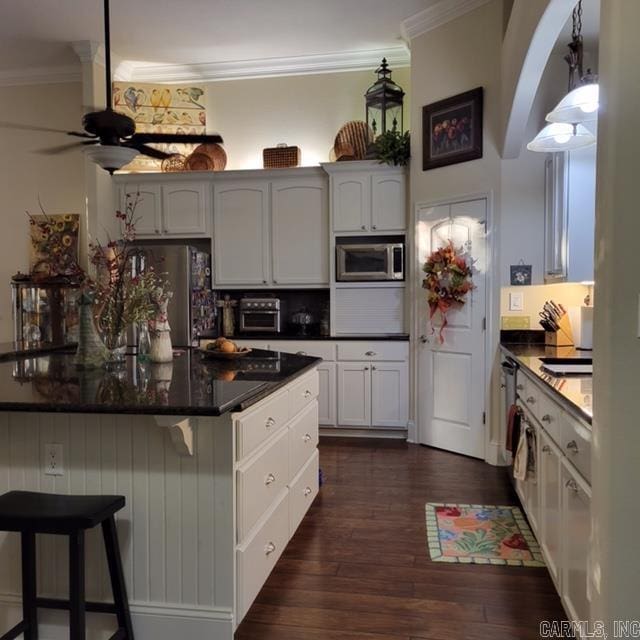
224 355
215 154
198 162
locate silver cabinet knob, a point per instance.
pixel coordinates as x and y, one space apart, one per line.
307 394
270 479
307 437
269 423
530 400
373 369
370 353
546 418
366 368
364 227
546 448
374 227
424 339
269 549
301 353
307 491
572 446
520 387
573 485
264 282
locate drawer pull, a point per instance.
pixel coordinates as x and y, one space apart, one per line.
546 448
270 479
307 394
573 485
269 549
370 353
366 368
269 423
520 387
307 491
572 446
307 437
531 400
546 418
301 353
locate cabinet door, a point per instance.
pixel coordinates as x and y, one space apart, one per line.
300 231
241 233
556 207
388 202
327 394
550 505
354 395
148 212
389 394
351 202
185 208
576 534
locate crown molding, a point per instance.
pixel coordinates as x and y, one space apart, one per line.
436 15
268 67
89 51
40 75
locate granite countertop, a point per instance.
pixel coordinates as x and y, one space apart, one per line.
189 386
287 336
13 350
574 392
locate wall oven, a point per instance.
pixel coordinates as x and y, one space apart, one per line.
260 315
367 259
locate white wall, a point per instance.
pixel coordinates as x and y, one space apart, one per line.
306 111
24 175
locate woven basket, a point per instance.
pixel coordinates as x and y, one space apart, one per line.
352 141
281 157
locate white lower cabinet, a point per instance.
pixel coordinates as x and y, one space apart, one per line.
354 394
389 385
576 537
550 529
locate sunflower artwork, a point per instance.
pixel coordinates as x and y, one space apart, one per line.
54 245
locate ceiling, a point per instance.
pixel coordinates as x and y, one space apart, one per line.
38 33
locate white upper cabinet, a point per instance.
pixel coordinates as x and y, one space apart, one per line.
241 233
367 197
185 208
169 208
388 202
300 231
351 202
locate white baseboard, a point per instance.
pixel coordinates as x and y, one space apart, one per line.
494 456
345 432
150 622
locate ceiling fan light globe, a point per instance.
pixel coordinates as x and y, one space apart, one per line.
110 157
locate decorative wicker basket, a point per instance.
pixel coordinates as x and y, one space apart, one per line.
281 157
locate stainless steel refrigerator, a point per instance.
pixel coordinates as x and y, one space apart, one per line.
192 310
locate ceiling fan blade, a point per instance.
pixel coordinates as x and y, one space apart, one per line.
176 138
30 127
149 151
51 151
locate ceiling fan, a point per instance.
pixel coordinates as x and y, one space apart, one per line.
111 138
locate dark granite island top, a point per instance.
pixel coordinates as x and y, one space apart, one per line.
189 386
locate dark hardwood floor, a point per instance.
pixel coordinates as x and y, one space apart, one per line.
358 567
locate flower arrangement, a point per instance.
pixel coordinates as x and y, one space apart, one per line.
448 280
122 297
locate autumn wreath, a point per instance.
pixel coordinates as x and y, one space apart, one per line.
448 280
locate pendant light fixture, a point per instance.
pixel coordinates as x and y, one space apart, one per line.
580 105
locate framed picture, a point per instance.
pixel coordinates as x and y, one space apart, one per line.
452 130
520 275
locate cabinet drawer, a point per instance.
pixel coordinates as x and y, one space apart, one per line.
303 438
576 445
550 414
315 348
258 424
531 397
257 557
365 351
260 481
303 393
303 490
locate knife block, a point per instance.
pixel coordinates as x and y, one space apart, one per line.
563 337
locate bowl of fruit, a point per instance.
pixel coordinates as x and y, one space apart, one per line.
224 349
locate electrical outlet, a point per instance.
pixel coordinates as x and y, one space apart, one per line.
516 301
53 460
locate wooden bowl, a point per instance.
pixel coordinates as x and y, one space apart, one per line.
214 152
225 355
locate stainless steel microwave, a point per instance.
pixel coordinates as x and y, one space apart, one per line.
369 261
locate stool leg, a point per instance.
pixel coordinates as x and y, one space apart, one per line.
29 585
77 608
114 560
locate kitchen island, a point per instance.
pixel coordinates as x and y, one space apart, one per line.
218 462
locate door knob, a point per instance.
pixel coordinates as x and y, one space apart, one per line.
424 339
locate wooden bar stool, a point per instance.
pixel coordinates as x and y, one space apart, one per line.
30 513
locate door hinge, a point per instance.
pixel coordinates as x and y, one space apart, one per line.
484 417
484 324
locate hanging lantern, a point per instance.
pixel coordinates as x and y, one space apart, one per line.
384 103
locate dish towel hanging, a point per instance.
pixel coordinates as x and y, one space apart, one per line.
513 428
524 463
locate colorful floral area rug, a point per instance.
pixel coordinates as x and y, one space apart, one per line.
481 534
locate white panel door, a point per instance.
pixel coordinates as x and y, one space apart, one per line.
148 214
327 405
300 231
185 208
354 394
451 373
388 202
241 233
351 202
389 394
550 501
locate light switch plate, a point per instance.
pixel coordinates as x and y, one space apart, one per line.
516 301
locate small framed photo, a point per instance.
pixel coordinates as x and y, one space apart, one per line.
520 275
452 130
